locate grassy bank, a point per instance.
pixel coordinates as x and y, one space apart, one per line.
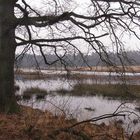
73 76
110 90
111 68
33 124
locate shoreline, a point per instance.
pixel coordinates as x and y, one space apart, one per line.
133 69
35 124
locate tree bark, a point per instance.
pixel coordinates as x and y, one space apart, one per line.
8 102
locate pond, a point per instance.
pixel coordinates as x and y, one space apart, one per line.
84 107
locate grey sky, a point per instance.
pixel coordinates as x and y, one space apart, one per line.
80 6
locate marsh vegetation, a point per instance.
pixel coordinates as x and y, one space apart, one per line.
81 94
108 90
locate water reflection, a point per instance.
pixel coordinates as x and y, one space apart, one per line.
78 107
49 85
74 107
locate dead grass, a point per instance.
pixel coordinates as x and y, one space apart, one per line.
33 124
109 90
38 92
35 75
111 69
30 74
35 91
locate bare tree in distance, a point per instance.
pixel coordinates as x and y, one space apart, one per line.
60 31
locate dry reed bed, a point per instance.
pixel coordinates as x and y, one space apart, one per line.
36 75
135 69
33 124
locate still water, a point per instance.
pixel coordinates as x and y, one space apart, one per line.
78 107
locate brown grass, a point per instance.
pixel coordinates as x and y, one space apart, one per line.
35 75
111 69
109 90
36 91
39 75
33 124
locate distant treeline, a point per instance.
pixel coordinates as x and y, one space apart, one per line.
78 60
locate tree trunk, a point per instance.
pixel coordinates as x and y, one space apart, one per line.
8 102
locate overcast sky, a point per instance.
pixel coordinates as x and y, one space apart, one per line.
79 6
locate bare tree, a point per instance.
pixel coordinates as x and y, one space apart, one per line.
61 31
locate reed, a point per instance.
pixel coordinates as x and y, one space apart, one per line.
109 90
35 91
